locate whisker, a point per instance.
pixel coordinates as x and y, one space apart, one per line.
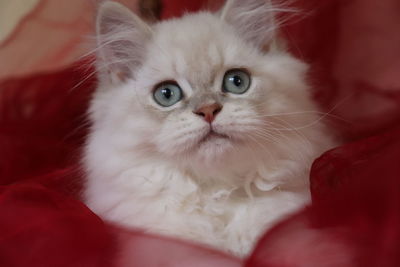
304 113
306 142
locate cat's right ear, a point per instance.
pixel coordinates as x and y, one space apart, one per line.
121 40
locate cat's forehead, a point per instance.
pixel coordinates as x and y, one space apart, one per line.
197 47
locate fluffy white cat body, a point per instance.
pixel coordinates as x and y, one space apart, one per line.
168 170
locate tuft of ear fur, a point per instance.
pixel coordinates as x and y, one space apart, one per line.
253 19
121 39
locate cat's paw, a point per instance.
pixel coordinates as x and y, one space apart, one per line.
285 173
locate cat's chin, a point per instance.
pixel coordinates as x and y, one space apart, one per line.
213 147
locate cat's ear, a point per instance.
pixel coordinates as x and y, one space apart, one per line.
121 40
253 19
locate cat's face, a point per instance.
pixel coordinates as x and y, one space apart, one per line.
202 87
198 91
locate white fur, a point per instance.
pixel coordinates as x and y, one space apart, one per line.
146 166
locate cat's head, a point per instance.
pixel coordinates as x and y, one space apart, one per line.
203 88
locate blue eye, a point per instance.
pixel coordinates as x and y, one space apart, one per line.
236 81
167 94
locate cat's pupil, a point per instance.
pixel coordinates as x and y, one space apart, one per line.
237 81
167 93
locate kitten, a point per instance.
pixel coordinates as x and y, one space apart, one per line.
202 128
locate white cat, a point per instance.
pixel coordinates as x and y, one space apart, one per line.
202 127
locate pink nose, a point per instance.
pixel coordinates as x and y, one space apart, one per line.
209 112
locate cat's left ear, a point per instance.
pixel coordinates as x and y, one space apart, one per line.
121 38
253 20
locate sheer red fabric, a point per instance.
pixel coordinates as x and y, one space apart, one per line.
355 216
354 219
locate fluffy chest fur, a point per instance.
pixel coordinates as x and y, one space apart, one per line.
166 200
202 128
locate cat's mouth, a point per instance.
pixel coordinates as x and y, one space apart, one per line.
212 135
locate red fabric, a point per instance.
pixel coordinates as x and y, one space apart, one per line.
41 227
355 216
352 47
